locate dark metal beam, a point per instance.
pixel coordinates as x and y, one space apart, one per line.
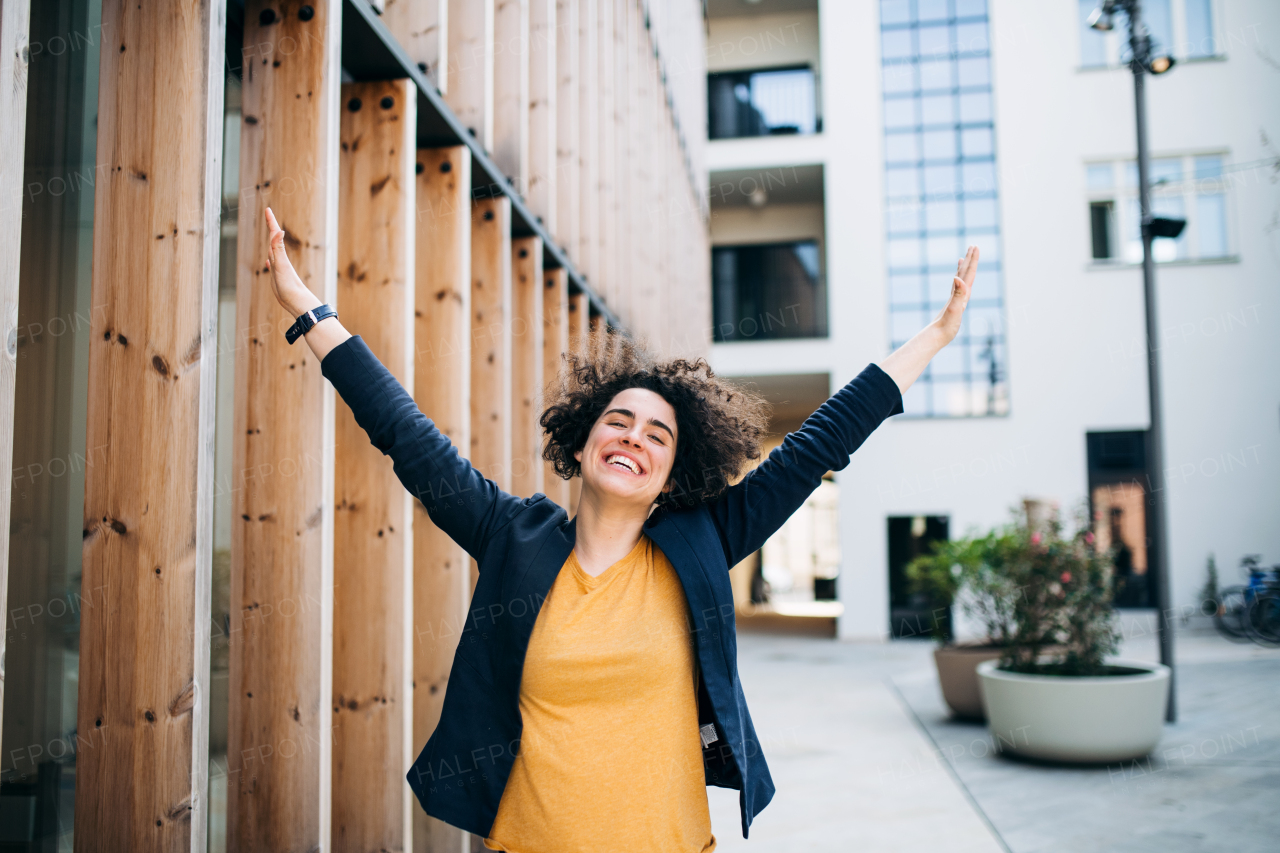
370 52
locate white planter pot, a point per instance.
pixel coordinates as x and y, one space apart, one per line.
1081 720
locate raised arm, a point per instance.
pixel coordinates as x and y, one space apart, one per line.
458 498
752 510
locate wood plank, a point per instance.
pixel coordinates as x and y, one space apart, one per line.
14 26
606 153
589 140
567 165
470 66
148 506
511 91
491 339
373 515
526 365
555 325
543 105
422 28
282 501
442 390
579 312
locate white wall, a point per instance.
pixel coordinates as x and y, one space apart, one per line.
1075 332
763 41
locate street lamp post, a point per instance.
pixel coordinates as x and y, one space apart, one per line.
1142 64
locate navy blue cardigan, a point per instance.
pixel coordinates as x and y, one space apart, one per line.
520 546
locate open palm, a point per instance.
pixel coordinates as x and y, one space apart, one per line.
948 320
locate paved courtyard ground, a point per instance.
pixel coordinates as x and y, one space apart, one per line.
866 758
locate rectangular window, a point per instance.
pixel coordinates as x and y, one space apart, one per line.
1200 40
941 195
768 292
1093 44
769 102
1100 225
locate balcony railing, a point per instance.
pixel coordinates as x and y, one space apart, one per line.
768 292
762 103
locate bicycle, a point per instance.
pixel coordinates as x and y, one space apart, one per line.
1251 612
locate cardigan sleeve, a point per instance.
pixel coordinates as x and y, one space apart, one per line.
459 499
753 509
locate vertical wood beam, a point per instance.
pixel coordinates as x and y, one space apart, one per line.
555 343
543 106
567 165
526 365
422 28
606 153
579 310
148 523
14 28
442 390
470 66
373 515
588 140
511 91
282 443
491 339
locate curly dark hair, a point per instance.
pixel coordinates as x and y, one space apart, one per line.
719 425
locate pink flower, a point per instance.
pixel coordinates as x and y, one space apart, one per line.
1035 538
1088 537
1066 577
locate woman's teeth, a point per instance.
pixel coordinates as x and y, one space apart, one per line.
624 462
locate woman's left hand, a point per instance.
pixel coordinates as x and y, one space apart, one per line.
948 320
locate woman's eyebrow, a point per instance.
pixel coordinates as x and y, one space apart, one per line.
652 421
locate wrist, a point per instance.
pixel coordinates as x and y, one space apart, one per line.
938 335
302 302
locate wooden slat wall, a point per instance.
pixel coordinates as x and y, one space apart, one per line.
470 66
579 309
588 140
567 164
606 153
510 145
280 719
491 339
555 324
422 28
442 390
373 516
526 365
14 26
543 105
148 506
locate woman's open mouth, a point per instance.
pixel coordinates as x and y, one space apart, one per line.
624 463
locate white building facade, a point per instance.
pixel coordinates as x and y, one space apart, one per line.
1008 124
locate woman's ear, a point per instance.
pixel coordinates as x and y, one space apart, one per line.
577 454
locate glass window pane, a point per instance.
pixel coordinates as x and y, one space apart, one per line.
1209 167
973 71
948 363
895 44
905 288
975 107
899 76
1131 174
902 182
904 253
935 41
940 180
988 246
895 11
1211 224
1200 40
931 10
1093 44
904 324
980 213
1159 21
1166 170
943 250
972 38
977 142
940 145
969 8
984 322
979 177
937 109
1098 175
904 216
941 215
901 147
900 112
936 74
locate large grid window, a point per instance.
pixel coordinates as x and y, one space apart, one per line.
941 195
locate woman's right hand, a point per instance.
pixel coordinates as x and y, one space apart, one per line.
294 296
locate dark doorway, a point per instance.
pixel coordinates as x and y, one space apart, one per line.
914 614
1118 507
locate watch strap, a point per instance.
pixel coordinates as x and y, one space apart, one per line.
307 320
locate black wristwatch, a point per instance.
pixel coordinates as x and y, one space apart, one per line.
305 321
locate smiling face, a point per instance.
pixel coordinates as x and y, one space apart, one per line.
631 448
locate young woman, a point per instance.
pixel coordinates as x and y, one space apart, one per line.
595 693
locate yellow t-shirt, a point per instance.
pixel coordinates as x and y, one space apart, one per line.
610 757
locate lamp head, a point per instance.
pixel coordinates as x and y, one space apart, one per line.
1101 20
1160 64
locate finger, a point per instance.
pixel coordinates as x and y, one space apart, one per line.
272 224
